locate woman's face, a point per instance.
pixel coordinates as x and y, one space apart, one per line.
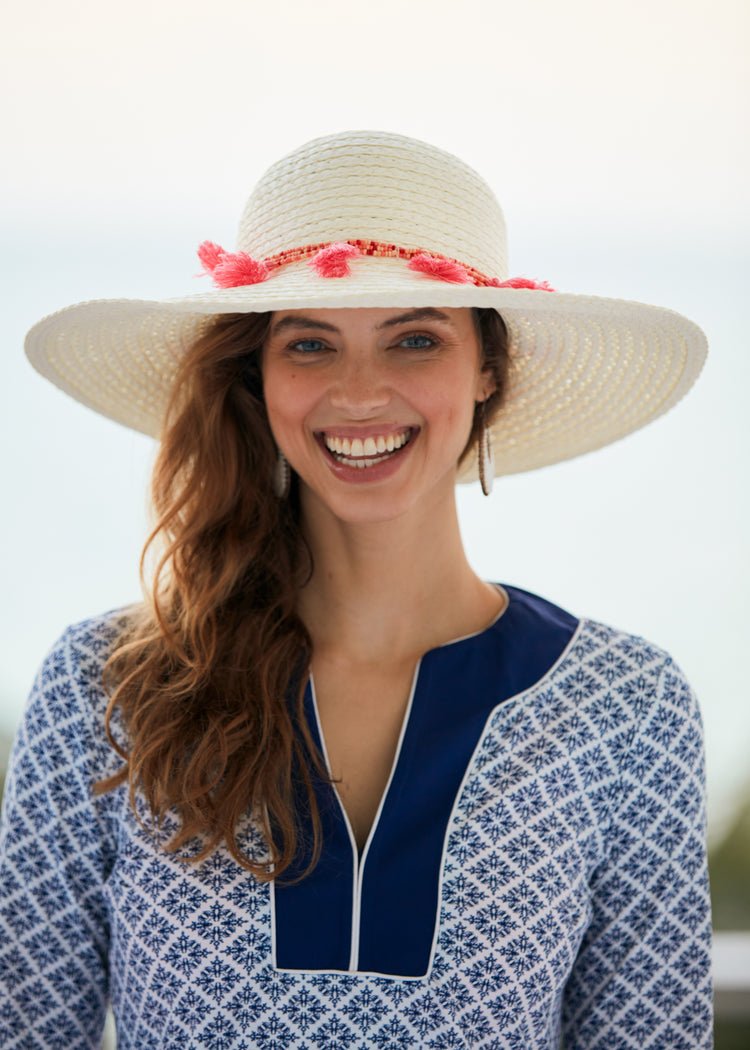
373 407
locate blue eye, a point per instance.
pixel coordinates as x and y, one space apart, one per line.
308 346
417 342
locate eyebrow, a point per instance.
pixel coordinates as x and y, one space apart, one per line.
426 313
301 321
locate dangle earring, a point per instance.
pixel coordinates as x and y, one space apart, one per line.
282 476
486 454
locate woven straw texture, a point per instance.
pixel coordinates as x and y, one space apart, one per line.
586 371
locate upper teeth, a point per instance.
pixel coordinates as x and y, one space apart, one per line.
370 446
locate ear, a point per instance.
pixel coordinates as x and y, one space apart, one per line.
486 385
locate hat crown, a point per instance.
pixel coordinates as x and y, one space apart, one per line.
380 187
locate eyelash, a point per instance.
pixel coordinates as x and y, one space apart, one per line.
296 347
432 342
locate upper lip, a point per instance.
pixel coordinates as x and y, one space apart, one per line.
365 441
361 432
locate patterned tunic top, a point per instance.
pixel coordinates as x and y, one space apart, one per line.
537 867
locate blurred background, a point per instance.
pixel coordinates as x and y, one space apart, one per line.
616 138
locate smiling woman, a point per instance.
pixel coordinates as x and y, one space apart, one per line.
326 786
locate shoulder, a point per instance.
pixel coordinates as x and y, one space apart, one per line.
624 663
83 649
589 656
591 641
68 701
607 655
97 634
75 663
613 654
632 696
613 680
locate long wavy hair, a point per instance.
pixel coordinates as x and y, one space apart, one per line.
209 676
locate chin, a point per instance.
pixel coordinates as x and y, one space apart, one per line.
380 505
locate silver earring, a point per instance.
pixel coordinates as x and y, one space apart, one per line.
486 457
282 476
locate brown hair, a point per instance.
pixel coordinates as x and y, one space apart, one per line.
204 675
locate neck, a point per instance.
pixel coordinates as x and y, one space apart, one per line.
391 591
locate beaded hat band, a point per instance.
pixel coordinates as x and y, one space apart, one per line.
373 219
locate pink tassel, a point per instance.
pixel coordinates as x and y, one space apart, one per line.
521 282
442 269
233 271
230 270
333 261
209 255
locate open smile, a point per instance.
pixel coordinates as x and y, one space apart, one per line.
366 452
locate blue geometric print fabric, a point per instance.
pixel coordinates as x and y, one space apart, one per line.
573 895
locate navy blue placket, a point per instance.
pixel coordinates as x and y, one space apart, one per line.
313 918
457 688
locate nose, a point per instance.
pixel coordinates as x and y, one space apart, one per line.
361 386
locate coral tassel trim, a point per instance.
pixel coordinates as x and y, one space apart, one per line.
332 259
440 267
231 270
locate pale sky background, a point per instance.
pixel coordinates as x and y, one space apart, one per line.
616 138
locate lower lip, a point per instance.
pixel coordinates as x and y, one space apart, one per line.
366 475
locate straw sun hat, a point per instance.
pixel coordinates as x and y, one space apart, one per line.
374 219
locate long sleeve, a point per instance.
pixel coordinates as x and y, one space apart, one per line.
642 976
55 852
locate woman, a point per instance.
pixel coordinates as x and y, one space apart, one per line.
328 788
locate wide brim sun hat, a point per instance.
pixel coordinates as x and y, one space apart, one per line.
366 219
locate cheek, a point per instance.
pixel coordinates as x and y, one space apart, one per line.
277 406
459 395
289 400
452 417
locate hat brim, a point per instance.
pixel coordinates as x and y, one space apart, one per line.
585 370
